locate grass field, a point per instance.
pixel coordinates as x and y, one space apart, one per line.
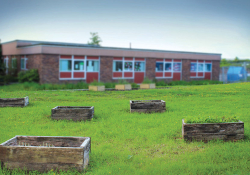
125 143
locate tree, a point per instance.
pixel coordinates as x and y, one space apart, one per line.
236 59
95 39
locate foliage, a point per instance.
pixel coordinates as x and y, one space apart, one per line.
95 39
213 119
110 85
96 83
134 85
6 79
28 76
147 81
236 59
160 83
189 83
122 81
134 143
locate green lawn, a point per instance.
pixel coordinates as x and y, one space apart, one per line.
125 143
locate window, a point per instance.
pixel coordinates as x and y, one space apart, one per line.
139 66
159 67
65 65
23 63
117 66
200 67
92 66
79 65
14 63
208 67
6 62
193 67
168 67
128 66
177 67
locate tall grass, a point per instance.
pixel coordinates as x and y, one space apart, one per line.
133 143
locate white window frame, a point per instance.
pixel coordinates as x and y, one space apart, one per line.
25 60
73 70
93 60
12 59
211 67
140 62
6 64
172 69
113 65
197 70
132 61
172 66
123 67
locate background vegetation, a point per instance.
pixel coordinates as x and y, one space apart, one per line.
125 143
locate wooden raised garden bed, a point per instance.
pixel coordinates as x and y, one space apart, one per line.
147 86
123 87
147 106
96 88
213 131
75 113
43 153
14 102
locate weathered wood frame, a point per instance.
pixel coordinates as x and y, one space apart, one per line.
213 131
147 86
14 102
96 88
69 152
123 87
75 113
147 106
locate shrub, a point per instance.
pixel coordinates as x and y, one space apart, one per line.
160 83
28 76
96 83
110 85
147 81
134 85
122 81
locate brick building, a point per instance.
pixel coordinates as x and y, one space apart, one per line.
69 62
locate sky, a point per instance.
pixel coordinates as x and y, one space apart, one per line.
212 26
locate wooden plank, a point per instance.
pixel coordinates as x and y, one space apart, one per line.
210 131
72 113
14 102
46 158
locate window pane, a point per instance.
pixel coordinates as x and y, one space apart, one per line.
177 67
93 66
168 67
200 67
159 67
139 66
65 65
117 66
78 65
208 67
193 67
22 63
14 62
128 66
